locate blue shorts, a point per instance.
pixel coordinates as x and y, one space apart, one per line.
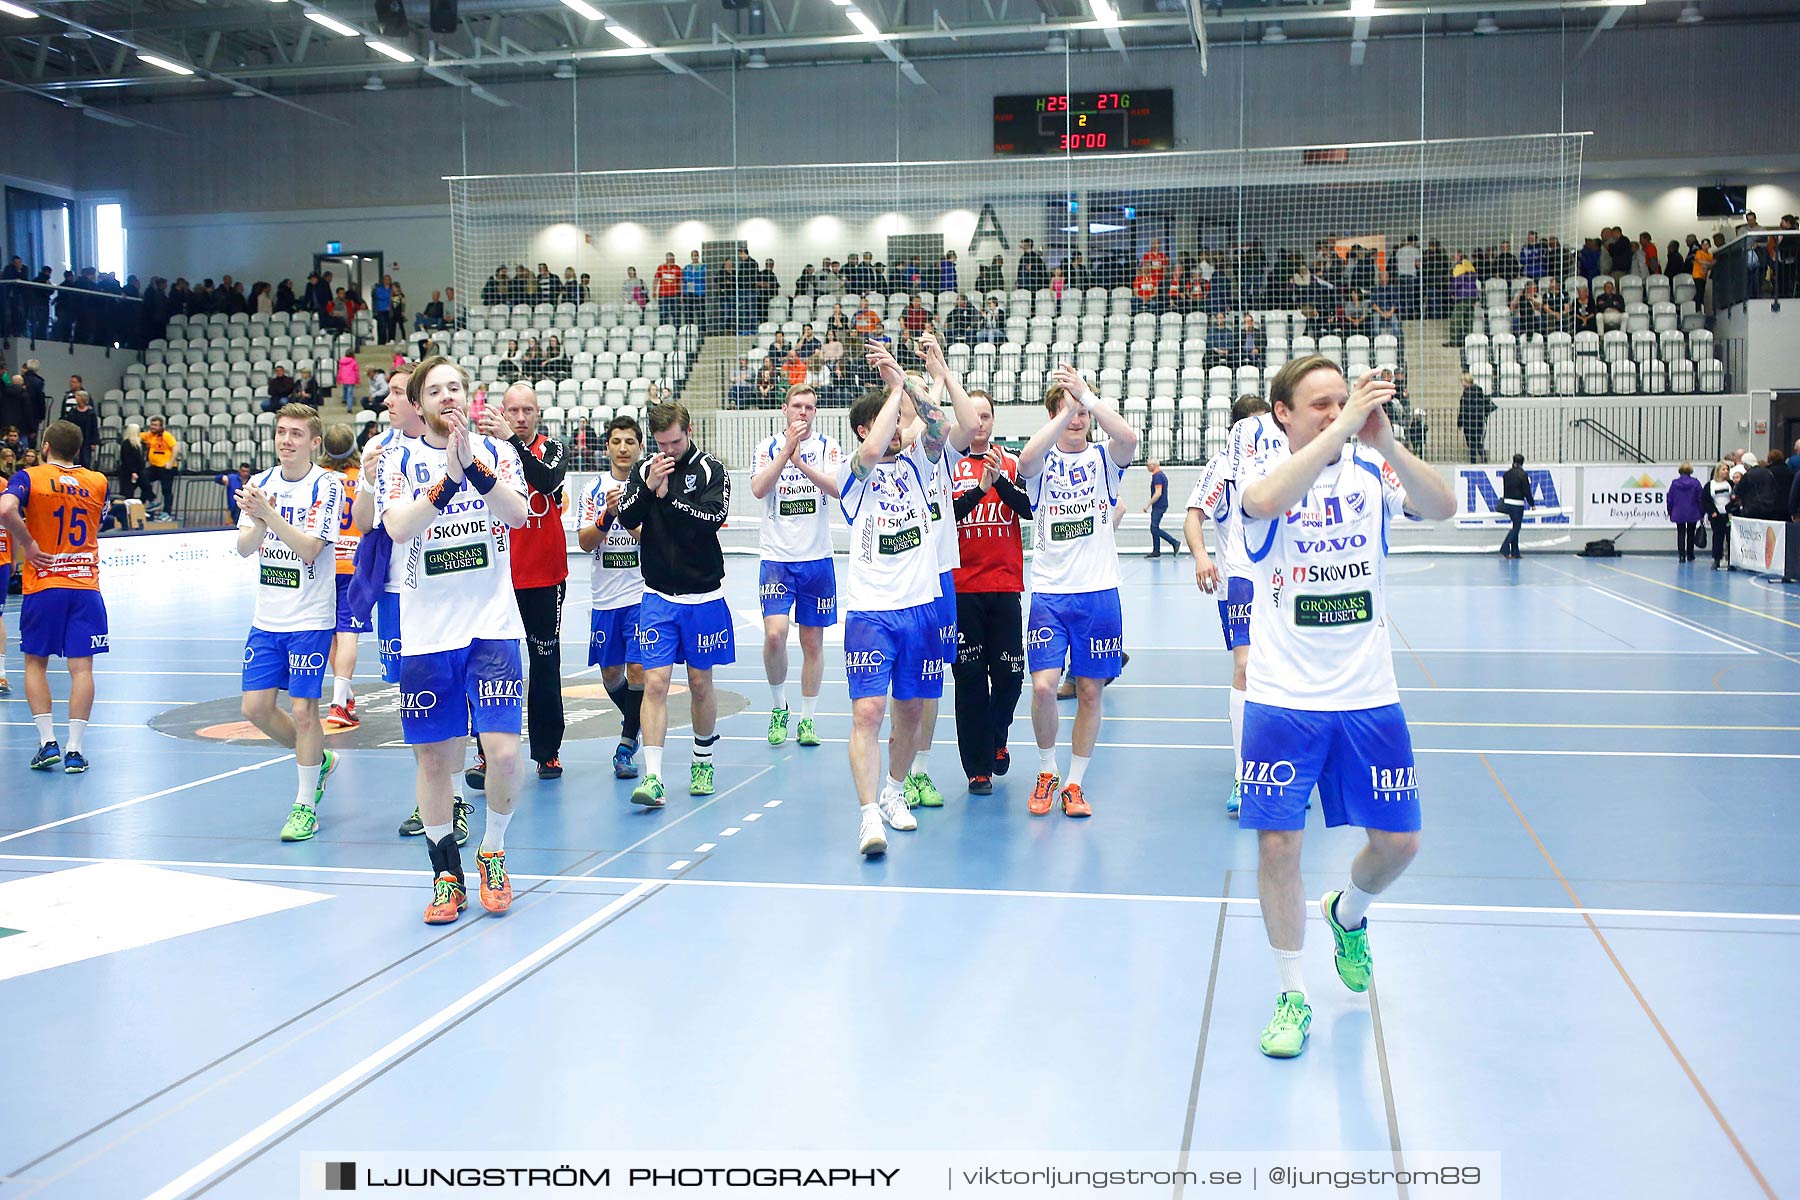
387 635
808 589
900 649
287 662
1234 611
946 614
5 581
345 622
613 637
452 693
1362 762
63 623
699 635
1086 629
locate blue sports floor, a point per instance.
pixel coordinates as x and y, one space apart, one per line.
1588 970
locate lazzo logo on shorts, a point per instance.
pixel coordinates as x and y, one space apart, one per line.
249 655
648 637
1237 612
1037 637
708 642
827 604
864 660
306 662
948 633
417 703
1279 773
774 591
1391 783
390 647
933 669
1100 646
499 691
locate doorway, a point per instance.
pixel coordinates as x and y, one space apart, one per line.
358 269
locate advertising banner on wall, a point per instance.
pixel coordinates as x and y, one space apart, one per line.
1633 494
1765 547
1554 490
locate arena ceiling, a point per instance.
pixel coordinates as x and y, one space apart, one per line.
102 55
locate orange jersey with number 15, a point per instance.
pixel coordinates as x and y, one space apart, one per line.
62 508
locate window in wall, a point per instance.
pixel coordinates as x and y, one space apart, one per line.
109 236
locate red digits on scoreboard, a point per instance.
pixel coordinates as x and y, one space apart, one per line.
1056 104
1081 141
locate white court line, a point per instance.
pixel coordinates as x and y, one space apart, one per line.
1736 646
1001 893
267 762
91 725
356 1074
706 847
680 864
1510 691
1416 750
1418 723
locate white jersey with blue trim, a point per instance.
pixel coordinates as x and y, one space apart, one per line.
456 577
292 595
1219 495
618 574
1072 497
893 563
943 510
1318 620
392 442
796 524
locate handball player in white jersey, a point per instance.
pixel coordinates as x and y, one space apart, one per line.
1322 707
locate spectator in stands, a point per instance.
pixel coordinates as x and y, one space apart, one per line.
557 364
914 316
336 317
867 324
779 348
740 391
1685 504
233 482
36 404
162 458
1353 315
378 389
1472 411
991 325
494 290
1674 261
1783 472
12 297
1756 491
432 315
1385 307
1077 272
838 323
12 412
511 364
1505 265
397 309
1554 305
693 291
1404 276
793 371
1247 346
306 388
1587 260
130 472
1787 259
830 280
531 363
1557 261
946 272
809 343
1700 260
582 292
284 295
1581 312
280 387
370 431
68 400
549 287
1465 293
724 298
1644 261
262 300
807 284
1531 256
632 291
1527 310
767 288
1622 248
1434 269
1609 308
1718 503
769 386
991 278
84 418
349 374
29 459
524 285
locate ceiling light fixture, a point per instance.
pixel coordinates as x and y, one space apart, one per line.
1273 34
108 118
330 22
582 8
1104 12
1362 8
374 83
758 61
1690 15
629 38
167 65
1485 24
393 52
16 10
862 23
564 71
242 91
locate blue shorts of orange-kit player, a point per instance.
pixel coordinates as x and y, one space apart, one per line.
63 623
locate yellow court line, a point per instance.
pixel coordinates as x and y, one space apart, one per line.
1702 596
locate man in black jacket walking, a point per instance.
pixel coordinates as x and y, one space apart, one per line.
677 500
1515 498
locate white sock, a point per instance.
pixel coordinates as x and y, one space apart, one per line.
77 731
308 785
896 786
778 695
437 833
46 726
1077 767
809 705
1353 905
1293 978
653 761
1046 760
493 838
919 762
870 808
1237 730
340 690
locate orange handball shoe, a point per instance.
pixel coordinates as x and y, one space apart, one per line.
496 888
448 900
1074 804
1042 794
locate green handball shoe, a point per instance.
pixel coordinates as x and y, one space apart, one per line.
1285 1035
778 722
700 779
921 792
649 793
808 734
302 823
1353 963
327 765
